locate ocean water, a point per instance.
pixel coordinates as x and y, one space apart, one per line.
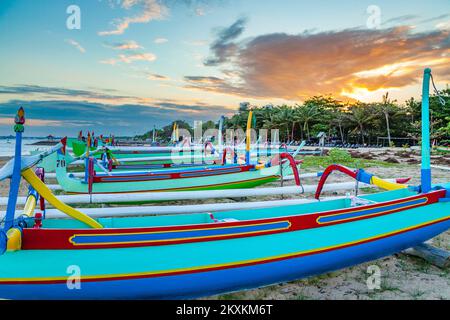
7 147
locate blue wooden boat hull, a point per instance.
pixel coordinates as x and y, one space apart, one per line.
201 283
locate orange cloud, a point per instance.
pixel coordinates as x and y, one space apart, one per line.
293 67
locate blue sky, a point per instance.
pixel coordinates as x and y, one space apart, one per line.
136 63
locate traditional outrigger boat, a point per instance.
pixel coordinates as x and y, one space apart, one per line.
223 176
217 177
155 158
188 256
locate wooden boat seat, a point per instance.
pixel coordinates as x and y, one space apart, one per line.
356 202
212 219
228 220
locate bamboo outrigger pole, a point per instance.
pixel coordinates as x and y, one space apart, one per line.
10 235
15 181
426 169
220 142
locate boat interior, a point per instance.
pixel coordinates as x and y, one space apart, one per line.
235 215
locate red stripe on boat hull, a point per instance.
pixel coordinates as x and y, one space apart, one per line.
37 239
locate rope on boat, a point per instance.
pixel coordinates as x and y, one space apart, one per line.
441 99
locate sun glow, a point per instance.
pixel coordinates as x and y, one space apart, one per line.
365 95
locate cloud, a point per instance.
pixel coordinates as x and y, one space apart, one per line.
62 117
137 57
157 77
402 19
76 45
443 25
126 45
33 122
160 40
130 58
436 18
58 91
212 84
150 10
110 61
200 12
223 47
342 63
209 83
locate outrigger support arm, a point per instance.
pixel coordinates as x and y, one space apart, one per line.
47 194
293 164
299 148
361 176
224 154
278 160
23 166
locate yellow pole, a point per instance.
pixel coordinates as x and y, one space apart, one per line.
386 185
248 138
88 144
30 205
47 194
174 132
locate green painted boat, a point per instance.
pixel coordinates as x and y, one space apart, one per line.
209 178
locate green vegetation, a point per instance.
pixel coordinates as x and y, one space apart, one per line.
311 162
356 122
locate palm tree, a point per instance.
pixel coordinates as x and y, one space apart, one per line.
386 108
269 121
338 118
359 115
306 114
283 117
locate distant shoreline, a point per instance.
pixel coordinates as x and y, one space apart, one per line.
4 159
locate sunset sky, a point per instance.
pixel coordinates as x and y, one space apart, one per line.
136 63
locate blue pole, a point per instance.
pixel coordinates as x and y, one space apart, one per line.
426 168
86 169
220 142
15 179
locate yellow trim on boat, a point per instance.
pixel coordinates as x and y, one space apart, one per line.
178 239
383 184
370 214
14 239
30 205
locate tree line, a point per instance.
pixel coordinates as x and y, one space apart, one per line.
345 123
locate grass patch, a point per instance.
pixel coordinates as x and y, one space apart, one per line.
300 296
232 296
417 294
387 286
315 162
